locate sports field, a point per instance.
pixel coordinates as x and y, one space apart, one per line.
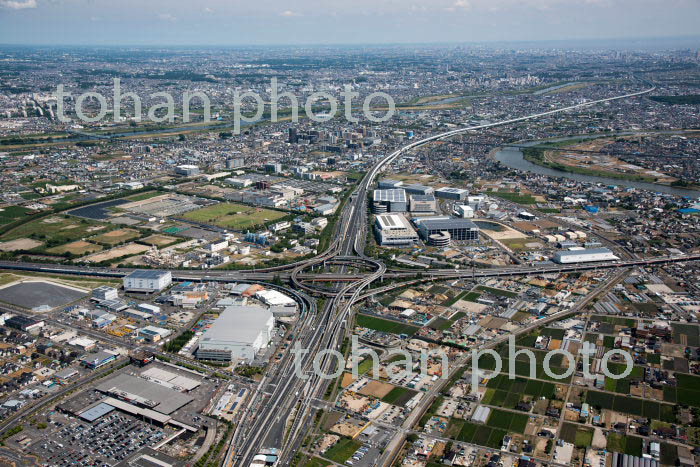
234 216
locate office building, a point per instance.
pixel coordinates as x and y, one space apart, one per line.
104 292
394 229
147 281
235 163
240 332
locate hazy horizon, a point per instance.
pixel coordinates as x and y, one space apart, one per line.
364 22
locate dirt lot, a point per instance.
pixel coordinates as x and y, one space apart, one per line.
79 247
377 389
159 240
20 244
117 236
130 249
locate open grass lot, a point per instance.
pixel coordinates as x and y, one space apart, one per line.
77 248
116 237
630 405
233 216
91 283
143 196
342 450
614 320
477 434
385 325
56 230
12 213
399 396
686 334
631 445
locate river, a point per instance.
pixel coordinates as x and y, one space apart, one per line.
513 158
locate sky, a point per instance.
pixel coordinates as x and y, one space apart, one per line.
263 22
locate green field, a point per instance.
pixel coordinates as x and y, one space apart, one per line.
521 365
505 392
631 445
631 405
234 216
12 213
385 325
514 197
476 434
342 450
509 421
399 396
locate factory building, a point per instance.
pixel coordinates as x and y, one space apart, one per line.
393 200
459 229
240 332
147 281
394 229
584 256
457 194
423 203
104 292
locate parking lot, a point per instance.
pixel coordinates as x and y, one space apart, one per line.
108 441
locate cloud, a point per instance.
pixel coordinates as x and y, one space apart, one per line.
289 13
18 4
208 10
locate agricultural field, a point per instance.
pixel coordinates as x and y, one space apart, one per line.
12 213
385 325
521 365
631 405
477 434
234 216
399 396
503 392
509 421
687 391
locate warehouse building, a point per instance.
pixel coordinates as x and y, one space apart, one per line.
187 170
147 281
388 183
240 332
393 200
416 189
394 229
423 203
584 256
457 194
459 229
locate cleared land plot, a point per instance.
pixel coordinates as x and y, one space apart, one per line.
497 292
54 231
116 237
385 325
158 240
32 294
20 244
376 389
233 216
77 248
114 253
